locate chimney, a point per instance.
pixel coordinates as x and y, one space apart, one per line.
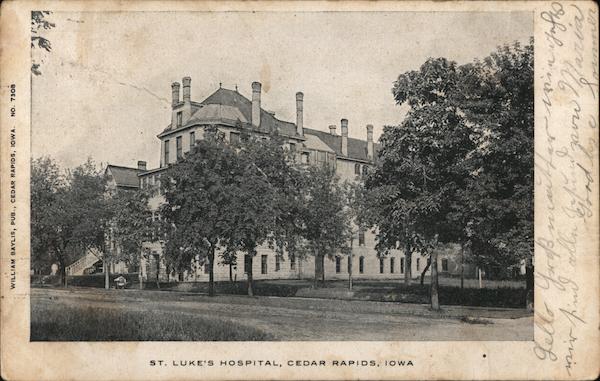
186 81
332 129
256 103
142 165
299 114
370 141
186 110
175 92
344 124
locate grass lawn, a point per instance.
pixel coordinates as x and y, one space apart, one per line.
69 323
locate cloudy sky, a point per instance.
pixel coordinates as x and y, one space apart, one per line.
105 89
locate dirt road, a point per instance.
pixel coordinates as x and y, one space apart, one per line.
299 319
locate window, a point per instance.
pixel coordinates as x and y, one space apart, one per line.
166 152
361 238
277 263
381 265
338 264
365 169
418 263
292 147
179 118
392 264
234 138
192 139
361 265
293 263
401 265
357 169
263 264
444 264
322 157
206 268
304 158
178 147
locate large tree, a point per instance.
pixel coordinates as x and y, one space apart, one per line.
263 212
69 213
47 186
326 219
499 195
459 168
131 225
421 164
200 193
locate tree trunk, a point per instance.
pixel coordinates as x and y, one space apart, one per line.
407 266
425 270
462 266
249 272
350 272
230 273
435 303
529 285
106 274
140 274
63 273
318 264
323 270
211 272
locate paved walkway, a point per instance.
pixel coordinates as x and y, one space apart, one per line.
293 319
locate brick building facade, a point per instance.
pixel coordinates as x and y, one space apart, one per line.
230 111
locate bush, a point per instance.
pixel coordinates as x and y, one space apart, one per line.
505 297
97 280
261 288
66 323
45 280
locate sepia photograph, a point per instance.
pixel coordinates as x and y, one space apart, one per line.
306 190
352 177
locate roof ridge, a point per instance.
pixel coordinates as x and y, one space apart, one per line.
122 166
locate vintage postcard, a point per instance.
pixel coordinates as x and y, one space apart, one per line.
299 190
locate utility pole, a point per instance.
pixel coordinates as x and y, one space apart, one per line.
350 262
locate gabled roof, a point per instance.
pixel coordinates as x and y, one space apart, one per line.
124 176
313 142
229 106
211 113
357 149
231 100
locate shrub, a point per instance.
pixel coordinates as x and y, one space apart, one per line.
97 280
506 297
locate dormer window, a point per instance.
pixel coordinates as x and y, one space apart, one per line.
179 118
234 138
304 158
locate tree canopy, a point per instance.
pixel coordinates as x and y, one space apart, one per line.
459 168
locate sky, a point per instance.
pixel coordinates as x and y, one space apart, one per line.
105 87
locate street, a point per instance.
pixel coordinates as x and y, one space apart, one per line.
303 319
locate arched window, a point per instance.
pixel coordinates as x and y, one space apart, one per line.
357 169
